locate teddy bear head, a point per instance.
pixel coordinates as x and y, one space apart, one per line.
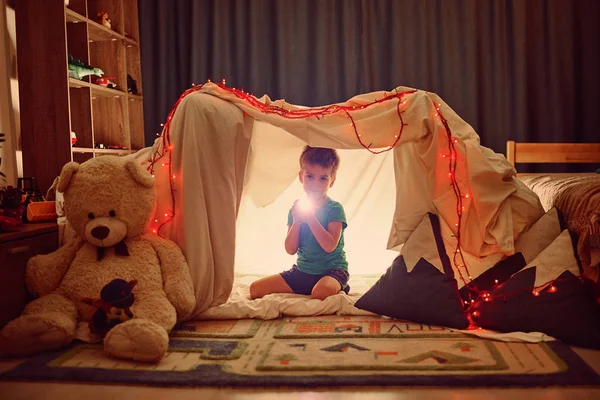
107 199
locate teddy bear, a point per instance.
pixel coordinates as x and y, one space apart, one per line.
108 203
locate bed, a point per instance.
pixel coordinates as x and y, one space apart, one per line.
575 195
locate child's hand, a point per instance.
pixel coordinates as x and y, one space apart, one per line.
298 214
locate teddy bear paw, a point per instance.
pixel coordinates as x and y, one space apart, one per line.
32 334
137 339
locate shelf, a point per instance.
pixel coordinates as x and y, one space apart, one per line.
97 90
74 17
100 33
82 150
96 114
112 151
96 31
130 42
100 151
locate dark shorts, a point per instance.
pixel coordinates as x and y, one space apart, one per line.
303 283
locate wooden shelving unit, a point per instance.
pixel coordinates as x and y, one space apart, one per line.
54 104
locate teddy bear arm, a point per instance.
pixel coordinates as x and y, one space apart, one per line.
176 276
44 272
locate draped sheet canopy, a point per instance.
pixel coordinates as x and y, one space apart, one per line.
219 142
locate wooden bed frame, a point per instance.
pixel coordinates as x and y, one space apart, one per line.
552 153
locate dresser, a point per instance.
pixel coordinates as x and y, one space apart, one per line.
15 250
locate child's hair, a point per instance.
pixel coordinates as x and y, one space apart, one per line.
325 157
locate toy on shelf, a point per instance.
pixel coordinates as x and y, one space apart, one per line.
26 184
41 211
11 209
10 197
73 138
104 20
99 145
113 306
31 197
35 206
131 85
106 81
79 70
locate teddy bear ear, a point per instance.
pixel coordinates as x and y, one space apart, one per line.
138 173
68 170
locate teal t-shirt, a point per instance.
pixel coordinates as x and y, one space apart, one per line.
312 259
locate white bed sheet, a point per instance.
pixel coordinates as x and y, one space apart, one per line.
278 305
274 306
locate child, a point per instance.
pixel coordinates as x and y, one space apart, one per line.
315 232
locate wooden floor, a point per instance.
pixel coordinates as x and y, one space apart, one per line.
68 391
82 392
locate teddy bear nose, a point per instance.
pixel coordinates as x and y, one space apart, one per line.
100 232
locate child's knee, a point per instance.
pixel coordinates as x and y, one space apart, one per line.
255 290
323 292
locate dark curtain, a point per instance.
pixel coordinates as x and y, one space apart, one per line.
526 70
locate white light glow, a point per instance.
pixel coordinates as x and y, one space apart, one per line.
305 204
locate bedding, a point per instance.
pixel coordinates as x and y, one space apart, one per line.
577 197
278 305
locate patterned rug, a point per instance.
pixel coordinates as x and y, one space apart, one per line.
327 351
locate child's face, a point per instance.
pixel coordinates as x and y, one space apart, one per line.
316 180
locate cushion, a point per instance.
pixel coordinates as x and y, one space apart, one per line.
527 246
561 305
497 274
539 236
419 285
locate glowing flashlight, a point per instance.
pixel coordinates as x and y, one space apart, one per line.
305 204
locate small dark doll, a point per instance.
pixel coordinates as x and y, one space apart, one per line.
113 306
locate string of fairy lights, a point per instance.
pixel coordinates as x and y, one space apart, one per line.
163 157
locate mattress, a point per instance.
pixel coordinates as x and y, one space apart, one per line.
577 197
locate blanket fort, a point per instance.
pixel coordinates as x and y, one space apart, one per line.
210 151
